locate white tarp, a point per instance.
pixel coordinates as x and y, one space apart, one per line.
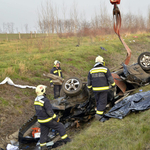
11 147
10 82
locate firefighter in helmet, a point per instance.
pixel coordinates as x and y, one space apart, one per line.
99 79
47 118
56 70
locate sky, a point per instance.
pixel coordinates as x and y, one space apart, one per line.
21 12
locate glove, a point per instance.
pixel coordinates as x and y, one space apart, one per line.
113 88
56 119
52 86
90 92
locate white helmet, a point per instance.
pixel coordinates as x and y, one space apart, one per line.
40 90
99 59
56 62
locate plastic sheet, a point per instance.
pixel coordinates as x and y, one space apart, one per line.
136 102
12 147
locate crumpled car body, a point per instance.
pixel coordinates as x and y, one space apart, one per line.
131 77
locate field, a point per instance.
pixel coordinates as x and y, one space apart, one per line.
25 61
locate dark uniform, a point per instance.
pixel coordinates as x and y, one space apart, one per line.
99 78
47 119
57 88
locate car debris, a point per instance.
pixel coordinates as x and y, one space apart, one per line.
76 106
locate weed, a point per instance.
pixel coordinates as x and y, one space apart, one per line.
22 68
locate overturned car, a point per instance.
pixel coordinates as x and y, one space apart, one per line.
76 105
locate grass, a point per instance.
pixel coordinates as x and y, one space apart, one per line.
25 61
4 102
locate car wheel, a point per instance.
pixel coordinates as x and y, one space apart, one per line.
144 60
72 86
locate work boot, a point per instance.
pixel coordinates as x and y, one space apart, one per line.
67 139
98 117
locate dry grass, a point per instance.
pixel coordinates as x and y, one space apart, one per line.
22 68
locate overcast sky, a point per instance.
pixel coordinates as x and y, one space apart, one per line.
22 12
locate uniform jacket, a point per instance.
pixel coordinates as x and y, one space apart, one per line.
99 78
56 72
43 109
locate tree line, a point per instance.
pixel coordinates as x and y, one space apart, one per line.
49 21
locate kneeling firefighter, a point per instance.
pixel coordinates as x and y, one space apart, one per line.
47 118
99 79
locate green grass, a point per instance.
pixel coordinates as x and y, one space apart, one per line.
25 61
4 102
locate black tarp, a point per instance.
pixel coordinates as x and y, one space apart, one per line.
135 102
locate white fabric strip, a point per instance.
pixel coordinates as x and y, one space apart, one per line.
10 82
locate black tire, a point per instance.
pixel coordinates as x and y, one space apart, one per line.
72 86
144 61
62 93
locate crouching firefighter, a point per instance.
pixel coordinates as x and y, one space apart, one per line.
99 79
47 118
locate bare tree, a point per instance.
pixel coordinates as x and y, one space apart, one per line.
4 27
10 27
26 28
148 19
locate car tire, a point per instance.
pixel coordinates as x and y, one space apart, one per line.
62 93
144 61
72 86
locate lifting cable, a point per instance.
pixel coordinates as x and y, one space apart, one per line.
117 26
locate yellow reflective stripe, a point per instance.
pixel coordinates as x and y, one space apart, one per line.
98 70
89 86
47 120
59 73
100 88
38 103
55 71
100 112
113 84
63 137
51 81
54 116
42 144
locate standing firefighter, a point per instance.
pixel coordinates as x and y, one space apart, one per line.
56 70
99 78
47 118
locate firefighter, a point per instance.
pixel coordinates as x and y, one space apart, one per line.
56 70
99 81
47 118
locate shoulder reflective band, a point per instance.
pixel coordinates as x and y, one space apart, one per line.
42 144
113 84
38 103
100 88
89 87
98 70
51 81
47 120
63 137
99 112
